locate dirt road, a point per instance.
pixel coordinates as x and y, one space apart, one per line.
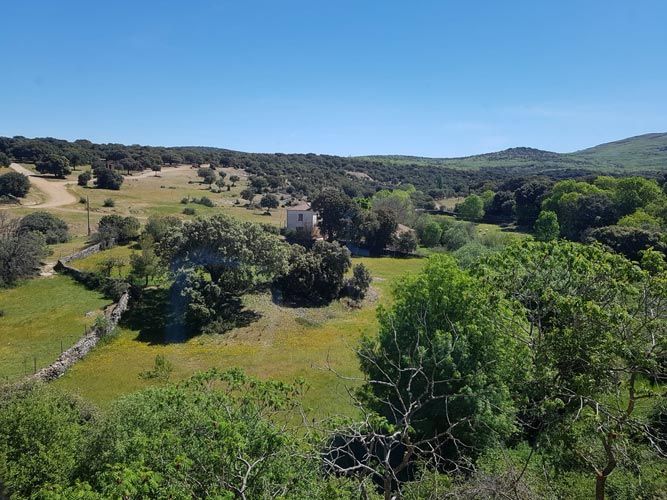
55 190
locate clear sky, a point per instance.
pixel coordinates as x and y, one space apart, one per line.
432 78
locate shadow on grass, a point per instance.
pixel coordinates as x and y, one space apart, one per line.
158 318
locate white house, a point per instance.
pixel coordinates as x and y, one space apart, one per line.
301 218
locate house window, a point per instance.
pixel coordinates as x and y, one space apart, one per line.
300 219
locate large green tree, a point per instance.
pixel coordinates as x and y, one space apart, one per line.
335 209
218 259
596 327
471 209
56 165
444 363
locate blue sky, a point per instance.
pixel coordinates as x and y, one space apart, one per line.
432 78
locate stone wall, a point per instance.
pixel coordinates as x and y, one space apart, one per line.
85 344
82 253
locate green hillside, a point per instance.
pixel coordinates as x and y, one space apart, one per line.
641 153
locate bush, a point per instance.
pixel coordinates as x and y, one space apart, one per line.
118 229
41 434
269 201
429 233
357 286
54 229
20 255
160 226
161 370
189 211
406 242
185 200
204 200
546 226
84 178
315 276
458 235
105 178
14 184
629 241
109 202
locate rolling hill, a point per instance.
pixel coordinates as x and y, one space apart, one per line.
642 153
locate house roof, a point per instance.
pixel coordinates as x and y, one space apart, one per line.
301 206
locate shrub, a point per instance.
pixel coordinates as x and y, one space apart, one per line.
269 201
14 184
109 202
315 276
118 229
204 200
629 241
161 370
84 178
429 233
41 434
105 178
54 229
185 200
406 242
4 160
458 235
20 255
546 226
189 211
357 286
160 226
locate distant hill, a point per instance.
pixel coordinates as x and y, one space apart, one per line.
643 153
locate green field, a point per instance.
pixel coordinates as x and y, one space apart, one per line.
40 317
285 343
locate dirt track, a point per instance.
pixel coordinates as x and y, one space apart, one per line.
55 190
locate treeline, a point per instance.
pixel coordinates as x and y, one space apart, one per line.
627 214
539 374
304 174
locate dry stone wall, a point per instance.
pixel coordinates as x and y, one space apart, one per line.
85 344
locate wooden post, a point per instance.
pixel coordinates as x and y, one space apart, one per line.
88 211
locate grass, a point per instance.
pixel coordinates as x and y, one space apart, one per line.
40 315
285 344
143 197
92 262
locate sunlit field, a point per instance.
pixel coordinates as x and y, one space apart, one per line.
285 343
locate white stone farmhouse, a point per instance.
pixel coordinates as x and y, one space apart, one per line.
301 218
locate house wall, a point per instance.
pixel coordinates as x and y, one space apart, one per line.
308 223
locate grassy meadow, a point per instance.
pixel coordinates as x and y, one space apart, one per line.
38 318
284 343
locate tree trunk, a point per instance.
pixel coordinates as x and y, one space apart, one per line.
600 483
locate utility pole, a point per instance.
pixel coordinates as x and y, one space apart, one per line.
88 210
